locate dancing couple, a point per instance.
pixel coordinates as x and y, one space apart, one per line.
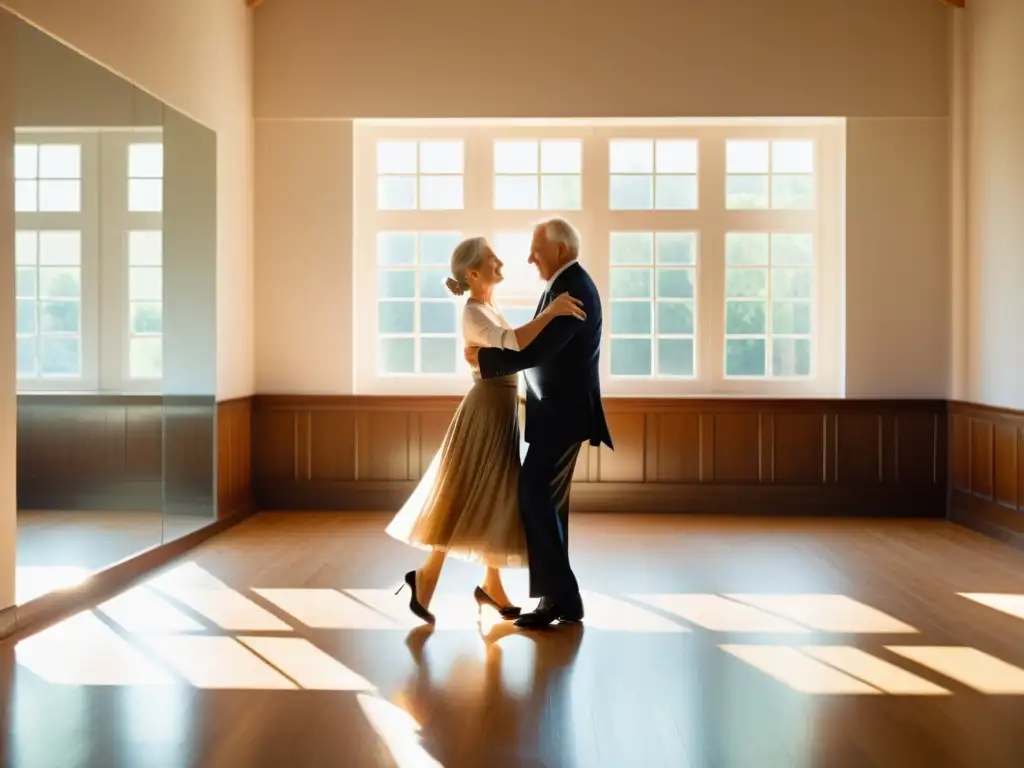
477 501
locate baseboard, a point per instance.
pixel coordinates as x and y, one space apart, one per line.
50 608
987 517
646 498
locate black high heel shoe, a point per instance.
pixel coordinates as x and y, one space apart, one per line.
506 611
414 603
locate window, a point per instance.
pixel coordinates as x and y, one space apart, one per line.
716 246
88 260
48 278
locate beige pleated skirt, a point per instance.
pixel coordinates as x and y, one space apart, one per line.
467 502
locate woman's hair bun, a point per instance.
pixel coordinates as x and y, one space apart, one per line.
453 285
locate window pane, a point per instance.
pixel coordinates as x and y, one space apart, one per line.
792 249
27 357
436 247
396 355
792 192
631 193
631 156
60 196
146 161
675 284
59 316
676 193
742 249
746 283
396 249
791 283
745 357
60 248
439 355
396 284
59 356
26 161
60 282
145 248
145 283
631 357
147 317
145 358
440 157
515 193
632 248
26 196
26 316
432 284
631 283
60 161
675 357
25 282
396 157
437 317
441 193
675 317
676 156
560 193
25 247
746 157
561 156
515 157
745 317
522 280
746 192
793 157
791 357
396 193
631 317
395 317
518 316
677 247
791 317
145 195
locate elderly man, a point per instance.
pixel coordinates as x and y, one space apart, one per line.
563 410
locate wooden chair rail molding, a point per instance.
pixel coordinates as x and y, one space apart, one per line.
672 455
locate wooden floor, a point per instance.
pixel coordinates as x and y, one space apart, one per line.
707 642
59 548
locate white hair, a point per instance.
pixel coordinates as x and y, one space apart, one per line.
561 231
467 256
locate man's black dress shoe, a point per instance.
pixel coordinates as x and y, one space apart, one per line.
549 611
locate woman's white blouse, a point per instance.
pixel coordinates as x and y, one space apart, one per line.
483 326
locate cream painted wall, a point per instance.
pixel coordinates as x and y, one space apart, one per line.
994 273
322 63
196 55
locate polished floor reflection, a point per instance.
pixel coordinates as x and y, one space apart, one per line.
59 549
707 642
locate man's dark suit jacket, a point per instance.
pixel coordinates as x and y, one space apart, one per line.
563 396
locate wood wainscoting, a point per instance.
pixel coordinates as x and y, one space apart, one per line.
731 456
234 458
986 460
101 452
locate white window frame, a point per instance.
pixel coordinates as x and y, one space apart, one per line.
104 222
85 221
711 220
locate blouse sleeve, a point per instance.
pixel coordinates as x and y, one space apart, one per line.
480 329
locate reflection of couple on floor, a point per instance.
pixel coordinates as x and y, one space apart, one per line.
508 727
476 501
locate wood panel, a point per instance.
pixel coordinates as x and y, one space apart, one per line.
986 470
90 452
672 455
234 458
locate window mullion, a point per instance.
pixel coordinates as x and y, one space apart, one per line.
711 263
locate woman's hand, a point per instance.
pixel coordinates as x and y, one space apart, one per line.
565 304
